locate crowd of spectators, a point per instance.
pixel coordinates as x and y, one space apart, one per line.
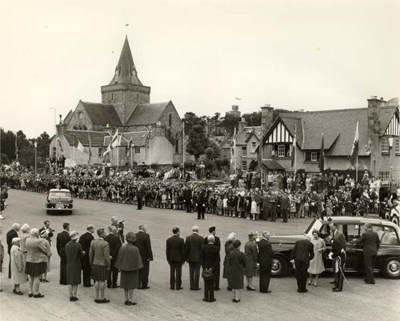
282 196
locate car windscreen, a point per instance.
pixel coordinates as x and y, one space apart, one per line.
59 194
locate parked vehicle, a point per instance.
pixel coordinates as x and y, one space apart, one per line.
59 200
388 258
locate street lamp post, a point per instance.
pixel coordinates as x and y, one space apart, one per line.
55 126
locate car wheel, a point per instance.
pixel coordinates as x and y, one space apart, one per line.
279 267
391 268
395 219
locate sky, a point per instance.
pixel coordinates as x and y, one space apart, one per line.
202 55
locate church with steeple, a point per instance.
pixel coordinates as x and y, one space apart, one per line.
151 131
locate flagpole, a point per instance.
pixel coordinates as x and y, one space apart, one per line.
183 145
234 150
357 169
261 154
294 149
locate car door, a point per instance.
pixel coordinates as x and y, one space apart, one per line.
354 251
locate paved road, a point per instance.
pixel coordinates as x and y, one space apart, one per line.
359 302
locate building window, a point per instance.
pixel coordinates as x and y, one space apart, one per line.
137 150
396 143
385 145
244 151
177 146
281 150
112 96
54 151
244 166
385 176
170 120
314 156
253 146
311 156
100 152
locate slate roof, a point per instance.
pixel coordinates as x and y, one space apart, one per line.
338 127
101 114
139 138
125 70
242 135
97 138
68 118
147 114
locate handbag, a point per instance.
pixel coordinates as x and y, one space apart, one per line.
207 274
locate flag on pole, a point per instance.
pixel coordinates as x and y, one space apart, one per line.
80 146
322 154
129 147
238 98
294 147
354 149
59 144
113 143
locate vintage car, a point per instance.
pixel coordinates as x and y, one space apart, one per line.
394 215
59 200
388 258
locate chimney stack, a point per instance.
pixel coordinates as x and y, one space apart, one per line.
374 105
267 113
241 124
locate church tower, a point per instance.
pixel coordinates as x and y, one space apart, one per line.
125 91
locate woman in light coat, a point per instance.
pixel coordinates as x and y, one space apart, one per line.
17 257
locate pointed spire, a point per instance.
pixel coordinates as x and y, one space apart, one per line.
125 72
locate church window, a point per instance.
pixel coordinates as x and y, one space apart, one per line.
170 120
75 127
100 152
84 127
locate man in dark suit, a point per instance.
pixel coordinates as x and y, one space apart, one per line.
371 243
338 255
284 206
302 253
265 256
115 244
193 245
175 251
143 243
217 267
10 235
209 260
187 195
201 201
85 241
62 240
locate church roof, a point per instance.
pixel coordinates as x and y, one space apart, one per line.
147 114
102 114
96 138
125 71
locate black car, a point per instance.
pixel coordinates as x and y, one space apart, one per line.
59 200
388 258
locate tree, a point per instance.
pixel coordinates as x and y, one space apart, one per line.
197 142
43 144
253 119
192 120
229 122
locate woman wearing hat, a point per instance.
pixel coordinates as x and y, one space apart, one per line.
129 263
237 265
74 254
17 257
250 249
228 249
317 263
36 262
